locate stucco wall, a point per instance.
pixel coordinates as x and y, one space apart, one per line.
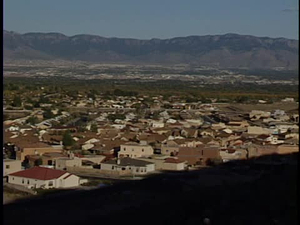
31 151
11 166
71 181
285 149
165 150
27 181
62 164
135 151
173 166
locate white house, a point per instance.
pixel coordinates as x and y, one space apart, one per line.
42 177
128 166
157 124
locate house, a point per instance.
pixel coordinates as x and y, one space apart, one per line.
35 149
11 166
64 163
48 159
135 150
218 126
167 163
157 124
258 114
257 130
286 149
198 155
195 122
208 132
255 150
42 177
127 166
233 154
189 132
235 124
170 147
288 100
174 164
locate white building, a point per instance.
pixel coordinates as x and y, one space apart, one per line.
127 165
41 177
157 124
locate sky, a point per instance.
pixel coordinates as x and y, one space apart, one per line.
146 19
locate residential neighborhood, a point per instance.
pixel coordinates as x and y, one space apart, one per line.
131 137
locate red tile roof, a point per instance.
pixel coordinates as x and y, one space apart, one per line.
40 173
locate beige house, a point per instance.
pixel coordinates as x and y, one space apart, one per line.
135 150
258 150
11 166
38 150
170 148
258 114
286 149
258 130
42 177
167 163
232 154
64 163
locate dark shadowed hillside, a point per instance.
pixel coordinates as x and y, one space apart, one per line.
258 191
224 51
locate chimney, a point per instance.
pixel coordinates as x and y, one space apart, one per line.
118 161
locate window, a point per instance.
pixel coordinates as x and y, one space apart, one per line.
27 181
124 149
50 183
112 167
123 168
132 149
137 169
7 166
142 149
22 181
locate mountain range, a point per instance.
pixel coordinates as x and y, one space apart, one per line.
221 51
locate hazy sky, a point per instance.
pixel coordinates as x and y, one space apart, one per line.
148 19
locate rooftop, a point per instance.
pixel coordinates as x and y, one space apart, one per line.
39 173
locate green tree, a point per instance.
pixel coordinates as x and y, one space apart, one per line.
68 140
28 107
44 100
48 114
38 162
17 102
32 120
113 117
94 128
242 99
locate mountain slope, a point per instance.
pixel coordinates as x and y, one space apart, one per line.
229 50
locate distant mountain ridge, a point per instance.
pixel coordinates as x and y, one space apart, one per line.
223 51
